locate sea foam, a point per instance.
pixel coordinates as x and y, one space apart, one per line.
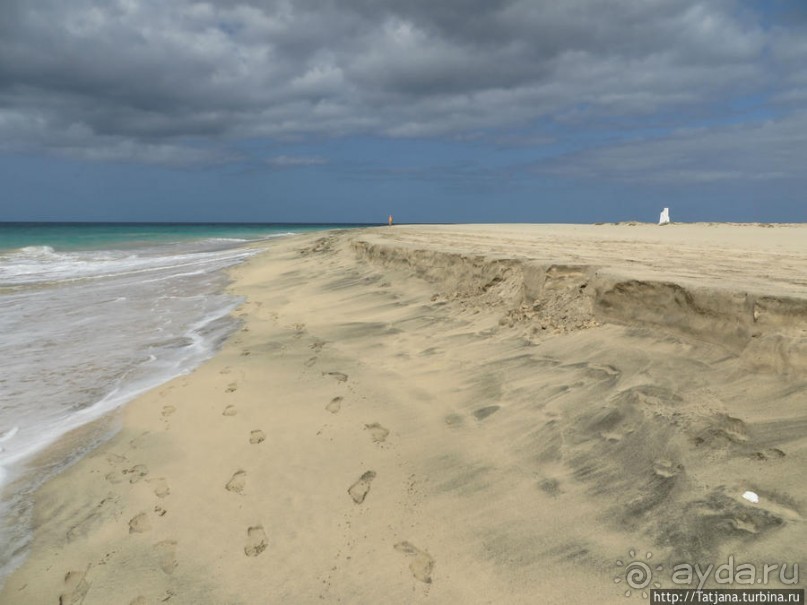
86 331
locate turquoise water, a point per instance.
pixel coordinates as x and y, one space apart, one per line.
88 236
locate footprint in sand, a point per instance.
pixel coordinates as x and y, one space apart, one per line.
113 477
230 410
310 361
666 469
139 441
257 436
237 482
75 588
377 432
141 600
136 473
232 387
483 413
168 410
550 486
773 453
339 376
161 489
335 405
359 490
422 563
115 459
166 552
139 524
256 541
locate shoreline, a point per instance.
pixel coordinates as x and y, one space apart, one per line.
64 435
48 463
377 400
63 371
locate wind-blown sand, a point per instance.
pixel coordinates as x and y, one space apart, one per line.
464 414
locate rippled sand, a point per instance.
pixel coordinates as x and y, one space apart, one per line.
465 414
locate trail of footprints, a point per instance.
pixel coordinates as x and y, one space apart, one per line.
421 563
77 583
256 535
141 523
257 541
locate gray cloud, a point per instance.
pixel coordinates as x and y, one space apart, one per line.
789 47
178 82
749 152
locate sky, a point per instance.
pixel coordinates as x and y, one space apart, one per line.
429 110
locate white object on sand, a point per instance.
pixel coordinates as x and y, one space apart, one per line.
751 497
664 219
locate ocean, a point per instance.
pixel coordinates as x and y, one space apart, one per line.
91 315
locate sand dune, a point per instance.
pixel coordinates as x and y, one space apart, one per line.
469 414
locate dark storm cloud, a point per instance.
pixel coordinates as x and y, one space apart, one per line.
176 82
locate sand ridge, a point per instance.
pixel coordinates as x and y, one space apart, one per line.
399 421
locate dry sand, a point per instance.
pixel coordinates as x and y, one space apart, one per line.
465 414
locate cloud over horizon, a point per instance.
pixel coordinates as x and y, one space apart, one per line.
619 89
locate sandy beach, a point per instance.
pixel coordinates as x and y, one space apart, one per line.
457 414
